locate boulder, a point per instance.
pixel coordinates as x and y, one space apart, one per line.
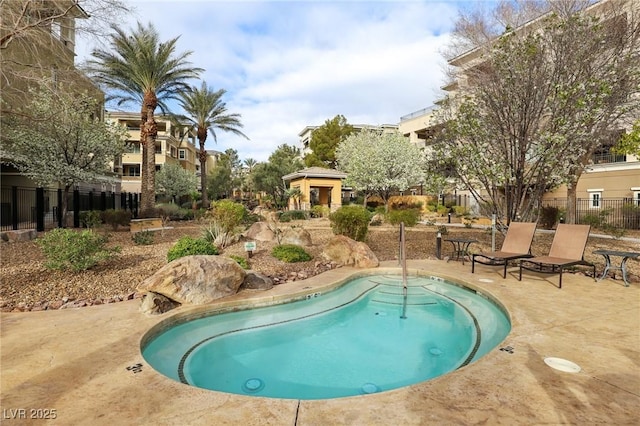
19 235
297 236
346 252
154 304
196 280
256 281
260 231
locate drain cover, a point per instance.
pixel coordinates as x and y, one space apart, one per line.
562 365
253 385
370 388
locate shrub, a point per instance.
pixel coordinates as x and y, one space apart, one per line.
351 221
214 233
228 214
90 219
189 246
293 215
116 218
172 211
67 249
320 211
549 216
290 253
241 261
143 238
443 230
410 217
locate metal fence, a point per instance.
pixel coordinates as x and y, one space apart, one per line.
619 212
40 209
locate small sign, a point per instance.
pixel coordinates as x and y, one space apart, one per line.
250 246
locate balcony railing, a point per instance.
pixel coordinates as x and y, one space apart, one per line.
609 158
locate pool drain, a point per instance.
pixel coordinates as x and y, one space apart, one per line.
253 385
562 365
435 351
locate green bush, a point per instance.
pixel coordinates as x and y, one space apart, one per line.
78 251
228 214
172 211
410 217
549 216
290 253
293 215
189 246
115 218
320 211
241 261
351 221
90 219
143 238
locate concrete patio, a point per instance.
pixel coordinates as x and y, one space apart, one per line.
79 363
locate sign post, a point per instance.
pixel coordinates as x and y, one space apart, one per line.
249 247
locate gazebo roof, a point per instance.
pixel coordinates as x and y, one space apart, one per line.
315 172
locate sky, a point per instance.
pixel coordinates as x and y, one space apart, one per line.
290 64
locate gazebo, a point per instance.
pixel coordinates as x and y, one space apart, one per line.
327 181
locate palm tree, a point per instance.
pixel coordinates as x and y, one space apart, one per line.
250 163
205 112
142 69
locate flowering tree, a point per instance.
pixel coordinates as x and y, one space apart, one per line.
380 163
173 181
58 138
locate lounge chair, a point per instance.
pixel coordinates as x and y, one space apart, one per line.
516 245
567 249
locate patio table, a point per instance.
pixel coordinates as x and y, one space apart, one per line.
461 247
625 255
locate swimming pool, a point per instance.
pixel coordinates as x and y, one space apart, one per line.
349 341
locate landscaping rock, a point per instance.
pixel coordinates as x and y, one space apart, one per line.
260 231
196 280
347 252
297 236
155 304
256 281
19 235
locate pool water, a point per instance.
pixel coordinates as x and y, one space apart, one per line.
350 341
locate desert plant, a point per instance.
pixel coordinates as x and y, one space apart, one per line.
189 246
290 215
351 221
78 251
228 214
143 238
215 233
443 230
320 211
90 219
410 217
241 261
115 218
290 253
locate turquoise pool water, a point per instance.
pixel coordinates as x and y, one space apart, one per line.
350 341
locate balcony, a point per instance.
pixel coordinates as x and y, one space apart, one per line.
608 158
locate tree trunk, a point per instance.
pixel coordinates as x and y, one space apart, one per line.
149 130
203 173
571 215
65 205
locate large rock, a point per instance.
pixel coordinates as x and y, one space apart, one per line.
346 252
260 231
196 280
155 304
297 236
256 281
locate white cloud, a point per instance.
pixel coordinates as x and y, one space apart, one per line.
286 65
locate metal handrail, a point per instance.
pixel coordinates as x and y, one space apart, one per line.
403 261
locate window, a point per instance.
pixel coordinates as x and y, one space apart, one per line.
131 170
158 149
636 195
182 154
173 152
595 198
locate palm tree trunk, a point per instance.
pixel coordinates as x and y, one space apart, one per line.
571 215
149 130
203 174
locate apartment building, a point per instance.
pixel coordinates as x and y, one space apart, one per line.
609 175
173 146
307 133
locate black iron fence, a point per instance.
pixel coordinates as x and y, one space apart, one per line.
617 212
40 209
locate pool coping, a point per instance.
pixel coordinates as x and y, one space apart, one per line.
86 364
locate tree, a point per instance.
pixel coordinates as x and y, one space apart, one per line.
268 176
539 105
142 69
226 175
324 141
37 40
206 113
629 143
58 138
249 164
380 163
173 181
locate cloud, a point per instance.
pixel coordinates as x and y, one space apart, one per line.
287 65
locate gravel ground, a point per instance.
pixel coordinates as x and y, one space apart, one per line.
27 285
